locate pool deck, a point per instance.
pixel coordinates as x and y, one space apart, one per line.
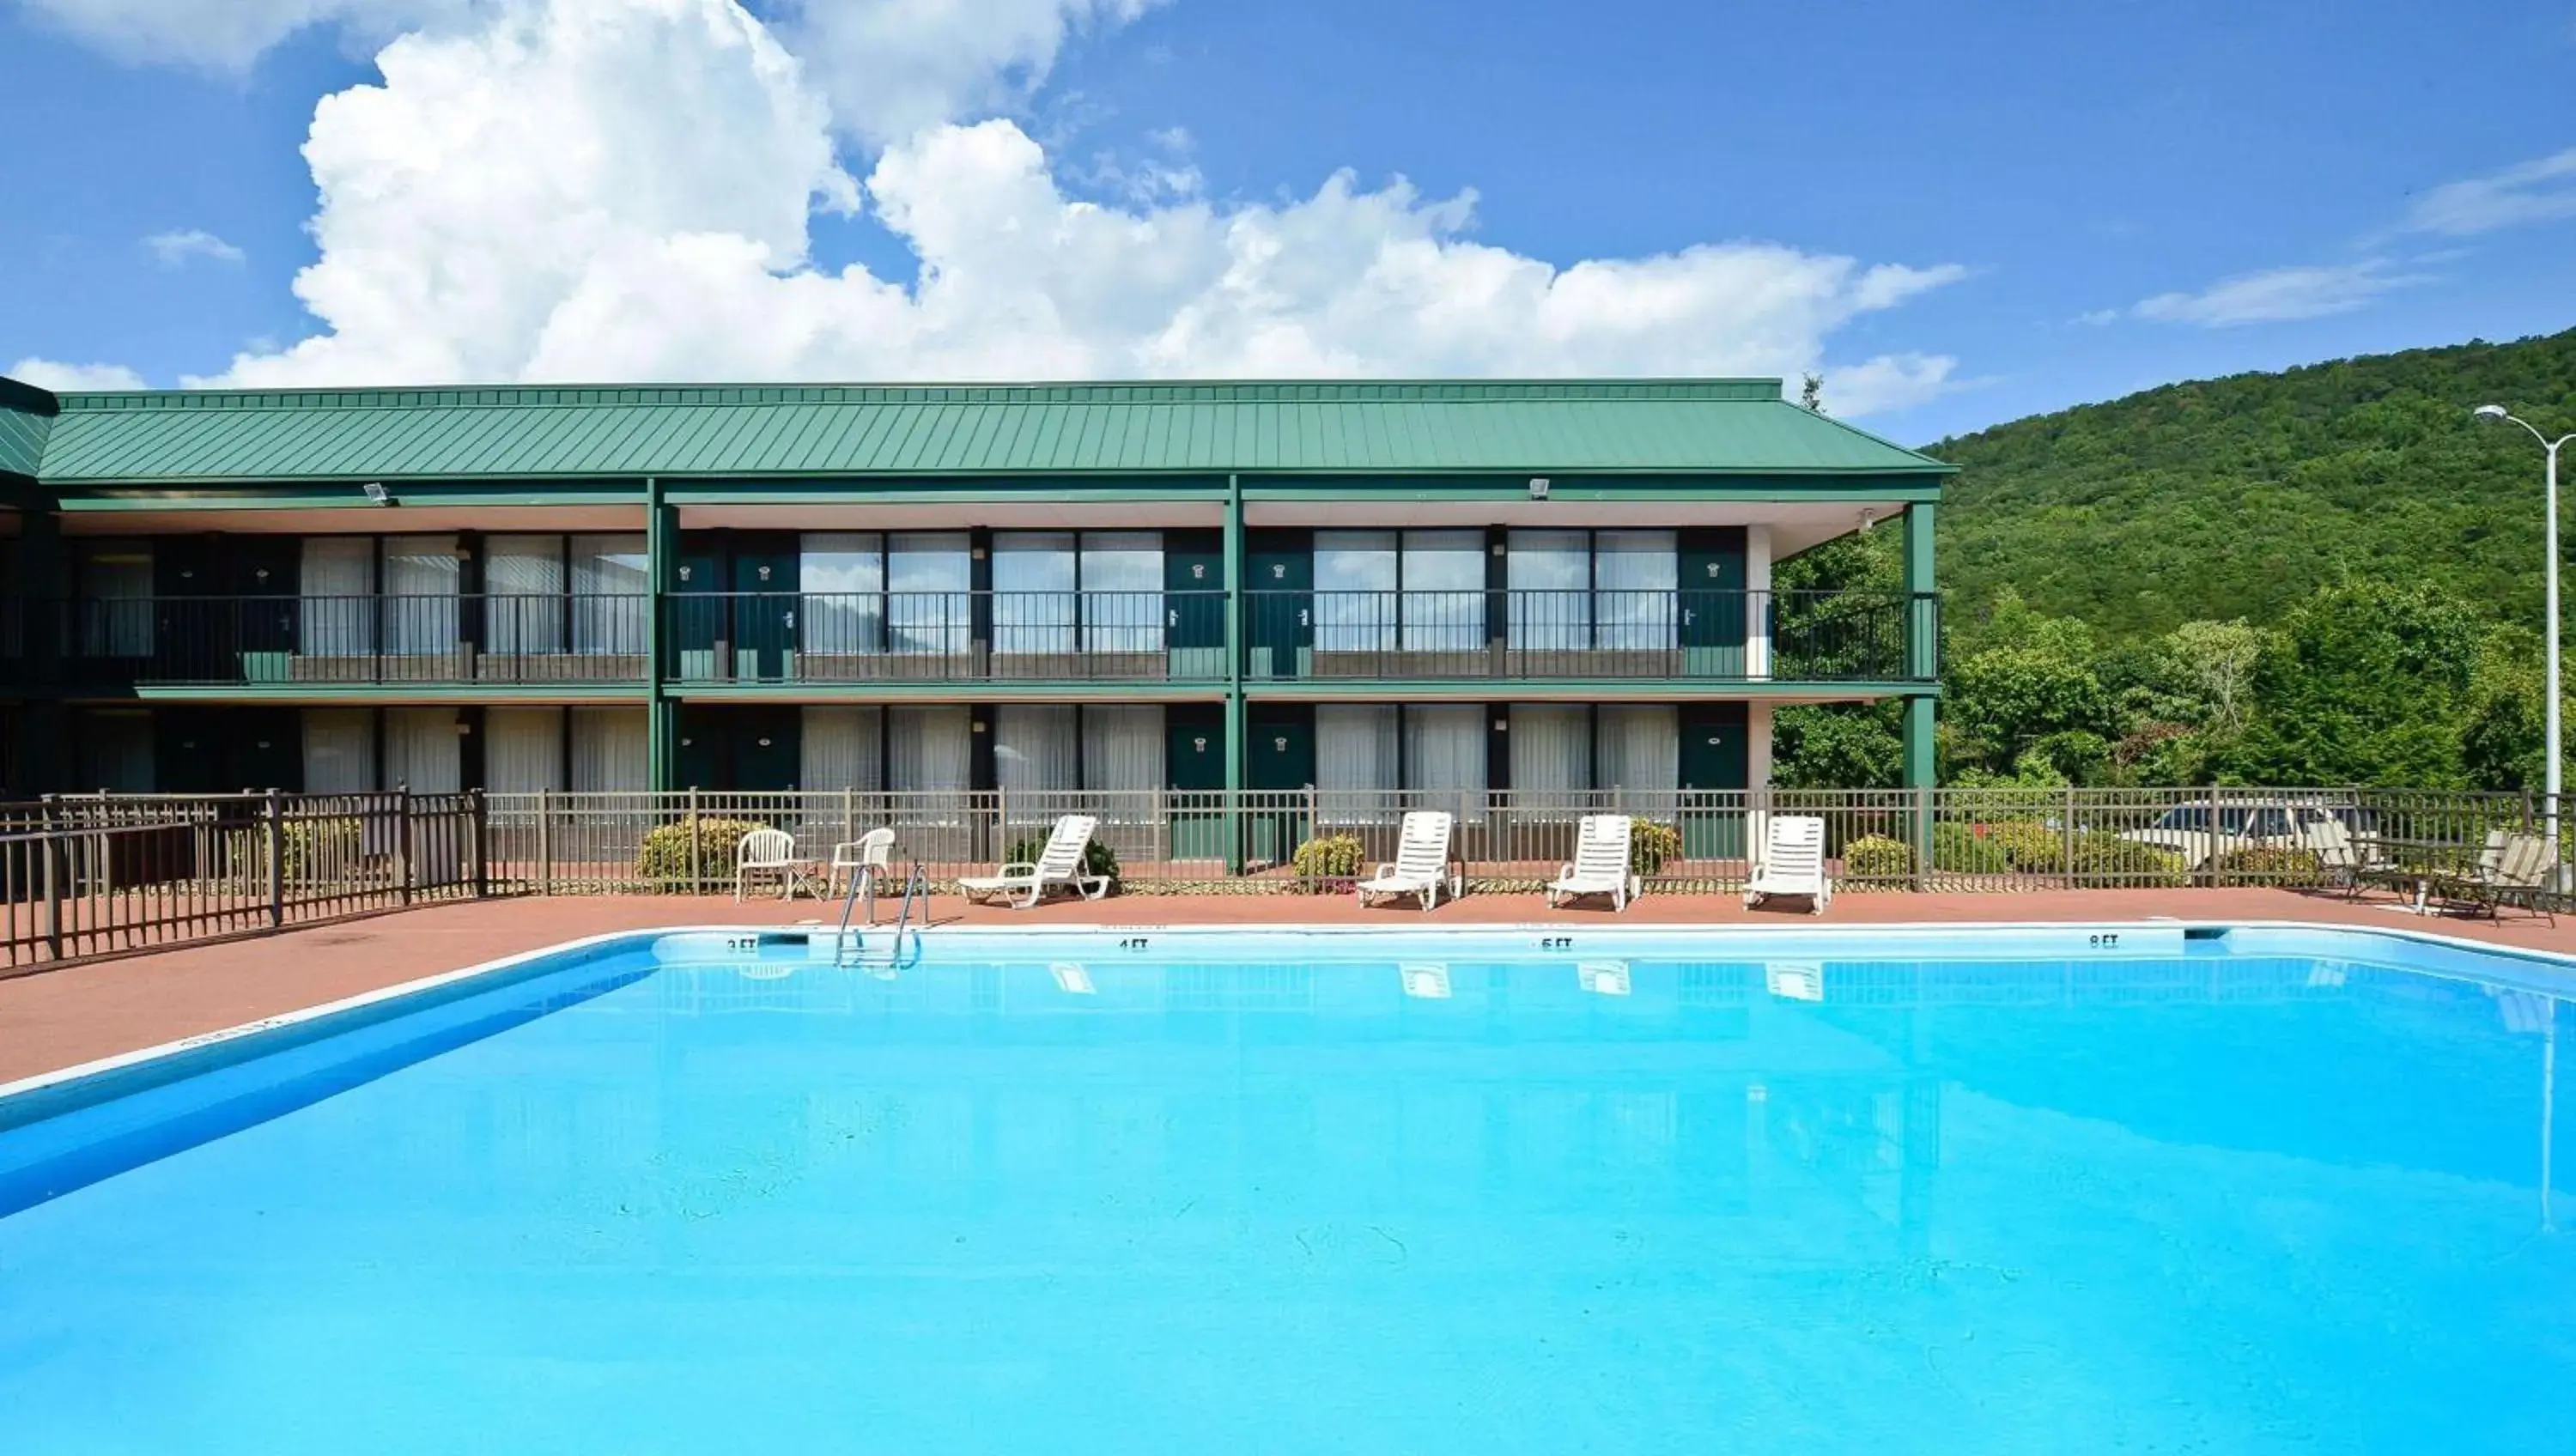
57 1019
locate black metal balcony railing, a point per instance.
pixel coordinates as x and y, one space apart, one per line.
832 637
360 640
857 637
1498 635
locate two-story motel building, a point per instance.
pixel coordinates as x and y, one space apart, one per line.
1435 585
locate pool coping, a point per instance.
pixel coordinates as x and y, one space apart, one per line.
103 1078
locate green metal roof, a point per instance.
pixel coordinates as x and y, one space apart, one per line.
804 431
26 416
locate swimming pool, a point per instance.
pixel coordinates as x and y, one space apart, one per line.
2083 1189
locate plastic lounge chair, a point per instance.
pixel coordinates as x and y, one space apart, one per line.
771 853
868 857
1058 866
1600 864
1793 863
1422 864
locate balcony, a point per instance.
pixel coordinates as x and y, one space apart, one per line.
966 636
1695 636
271 642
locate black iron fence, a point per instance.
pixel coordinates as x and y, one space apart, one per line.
278 640
965 636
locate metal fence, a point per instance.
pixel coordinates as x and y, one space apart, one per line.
92 876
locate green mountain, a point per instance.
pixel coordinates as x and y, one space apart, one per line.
2239 497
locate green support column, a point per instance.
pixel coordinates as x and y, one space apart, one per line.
1233 673
42 748
661 573
1922 665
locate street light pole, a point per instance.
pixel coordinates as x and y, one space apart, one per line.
2549 770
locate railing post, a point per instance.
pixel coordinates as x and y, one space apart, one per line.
51 847
402 838
697 837
2067 829
273 830
476 823
545 842
2210 871
1922 837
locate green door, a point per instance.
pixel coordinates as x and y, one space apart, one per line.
264 749
697 622
1711 572
702 747
765 748
264 573
192 628
764 576
1279 607
1279 766
1715 747
1194 756
1194 605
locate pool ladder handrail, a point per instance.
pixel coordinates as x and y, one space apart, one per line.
917 881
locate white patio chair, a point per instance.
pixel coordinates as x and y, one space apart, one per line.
772 853
1600 865
1058 866
1422 867
1793 863
870 858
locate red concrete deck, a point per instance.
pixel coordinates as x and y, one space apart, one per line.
61 1018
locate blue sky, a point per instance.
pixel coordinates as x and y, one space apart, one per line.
2063 189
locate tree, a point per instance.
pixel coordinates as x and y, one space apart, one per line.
1811 392
2369 683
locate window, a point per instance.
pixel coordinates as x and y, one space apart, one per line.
609 583
1034 752
523 750
1551 748
1034 577
419 606
843 577
1637 750
338 610
1356 756
117 610
1355 578
929 575
1443 609
523 583
420 750
843 749
609 750
1550 575
1122 751
1122 591
339 751
1635 574
926 750
1444 758
114 752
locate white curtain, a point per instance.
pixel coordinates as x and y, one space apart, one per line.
843 577
928 757
1551 753
421 751
842 748
1033 592
1641 756
421 578
1122 751
1354 591
609 583
1550 575
1034 750
338 613
609 750
1636 573
928 607
523 584
1356 755
116 595
1444 757
522 750
339 751
1444 591
114 751
1122 591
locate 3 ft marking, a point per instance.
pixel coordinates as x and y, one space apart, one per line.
743 944
2109 940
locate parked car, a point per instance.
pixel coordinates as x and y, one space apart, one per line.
2246 824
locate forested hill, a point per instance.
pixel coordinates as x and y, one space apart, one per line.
2238 497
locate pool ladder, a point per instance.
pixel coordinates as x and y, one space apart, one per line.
848 951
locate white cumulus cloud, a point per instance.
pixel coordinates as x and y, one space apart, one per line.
176 248
2280 294
54 374
892 67
660 231
230 34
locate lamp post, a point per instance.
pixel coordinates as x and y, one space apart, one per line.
2549 770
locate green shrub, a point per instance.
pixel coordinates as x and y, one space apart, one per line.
1097 858
2029 847
2262 864
1650 844
1328 861
663 857
1958 849
1877 857
2100 854
311 846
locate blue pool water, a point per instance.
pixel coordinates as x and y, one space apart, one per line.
2276 1192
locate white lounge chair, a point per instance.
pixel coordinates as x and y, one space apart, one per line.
1422 864
1058 866
1600 864
1793 863
771 853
